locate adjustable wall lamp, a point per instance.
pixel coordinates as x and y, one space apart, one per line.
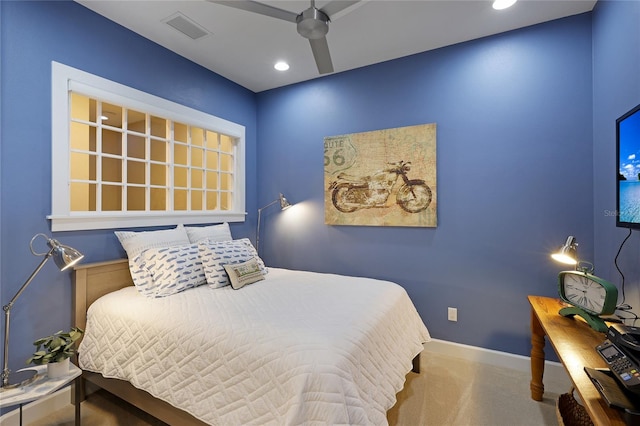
284 204
64 257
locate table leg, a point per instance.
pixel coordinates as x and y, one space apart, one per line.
78 398
537 358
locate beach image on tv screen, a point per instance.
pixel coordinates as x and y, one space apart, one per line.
629 172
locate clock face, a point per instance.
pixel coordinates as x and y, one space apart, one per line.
588 292
580 291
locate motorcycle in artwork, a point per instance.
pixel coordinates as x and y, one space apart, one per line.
351 193
381 178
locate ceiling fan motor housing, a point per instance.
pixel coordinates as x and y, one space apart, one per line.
313 24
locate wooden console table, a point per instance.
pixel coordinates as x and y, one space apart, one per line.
574 342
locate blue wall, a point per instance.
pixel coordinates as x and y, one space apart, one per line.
34 34
616 89
514 154
520 118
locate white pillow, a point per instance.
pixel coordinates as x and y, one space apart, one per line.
215 255
212 233
135 243
168 270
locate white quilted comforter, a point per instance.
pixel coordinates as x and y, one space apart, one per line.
296 348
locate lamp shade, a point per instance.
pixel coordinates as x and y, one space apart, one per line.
63 255
284 204
568 253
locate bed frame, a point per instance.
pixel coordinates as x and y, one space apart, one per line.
90 282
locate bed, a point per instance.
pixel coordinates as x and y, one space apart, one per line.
295 348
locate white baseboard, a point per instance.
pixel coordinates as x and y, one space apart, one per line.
491 357
39 409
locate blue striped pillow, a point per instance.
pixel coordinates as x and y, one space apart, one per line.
166 271
215 255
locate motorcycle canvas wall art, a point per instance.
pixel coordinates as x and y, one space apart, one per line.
382 178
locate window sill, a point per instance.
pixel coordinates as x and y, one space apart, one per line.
104 221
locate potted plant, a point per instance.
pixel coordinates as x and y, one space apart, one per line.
55 351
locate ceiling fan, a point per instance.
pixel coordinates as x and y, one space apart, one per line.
312 23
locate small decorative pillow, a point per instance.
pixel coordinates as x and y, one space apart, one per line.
241 274
215 255
166 271
212 233
135 243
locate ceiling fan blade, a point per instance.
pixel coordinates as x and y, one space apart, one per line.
320 49
261 8
336 6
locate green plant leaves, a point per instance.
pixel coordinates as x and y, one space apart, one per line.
56 347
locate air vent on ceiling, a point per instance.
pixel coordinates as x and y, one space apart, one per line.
186 26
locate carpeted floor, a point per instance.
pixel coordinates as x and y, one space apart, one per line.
448 391
458 392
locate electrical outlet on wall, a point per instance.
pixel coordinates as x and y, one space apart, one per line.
452 314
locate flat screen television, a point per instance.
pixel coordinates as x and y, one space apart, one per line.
628 169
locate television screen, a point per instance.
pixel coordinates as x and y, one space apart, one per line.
628 158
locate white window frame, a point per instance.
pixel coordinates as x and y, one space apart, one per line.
64 80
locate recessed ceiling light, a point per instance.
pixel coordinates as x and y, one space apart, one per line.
281 66
503 4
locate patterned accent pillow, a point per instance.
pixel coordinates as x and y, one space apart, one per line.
215 255
135 243
212 233
241 274
166 271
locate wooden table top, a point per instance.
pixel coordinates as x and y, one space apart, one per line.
574 342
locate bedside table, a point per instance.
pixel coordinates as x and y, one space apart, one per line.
40 387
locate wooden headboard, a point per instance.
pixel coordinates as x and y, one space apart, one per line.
93 280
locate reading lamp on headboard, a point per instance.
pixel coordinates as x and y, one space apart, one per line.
65 257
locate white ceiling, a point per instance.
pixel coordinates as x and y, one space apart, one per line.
243 46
